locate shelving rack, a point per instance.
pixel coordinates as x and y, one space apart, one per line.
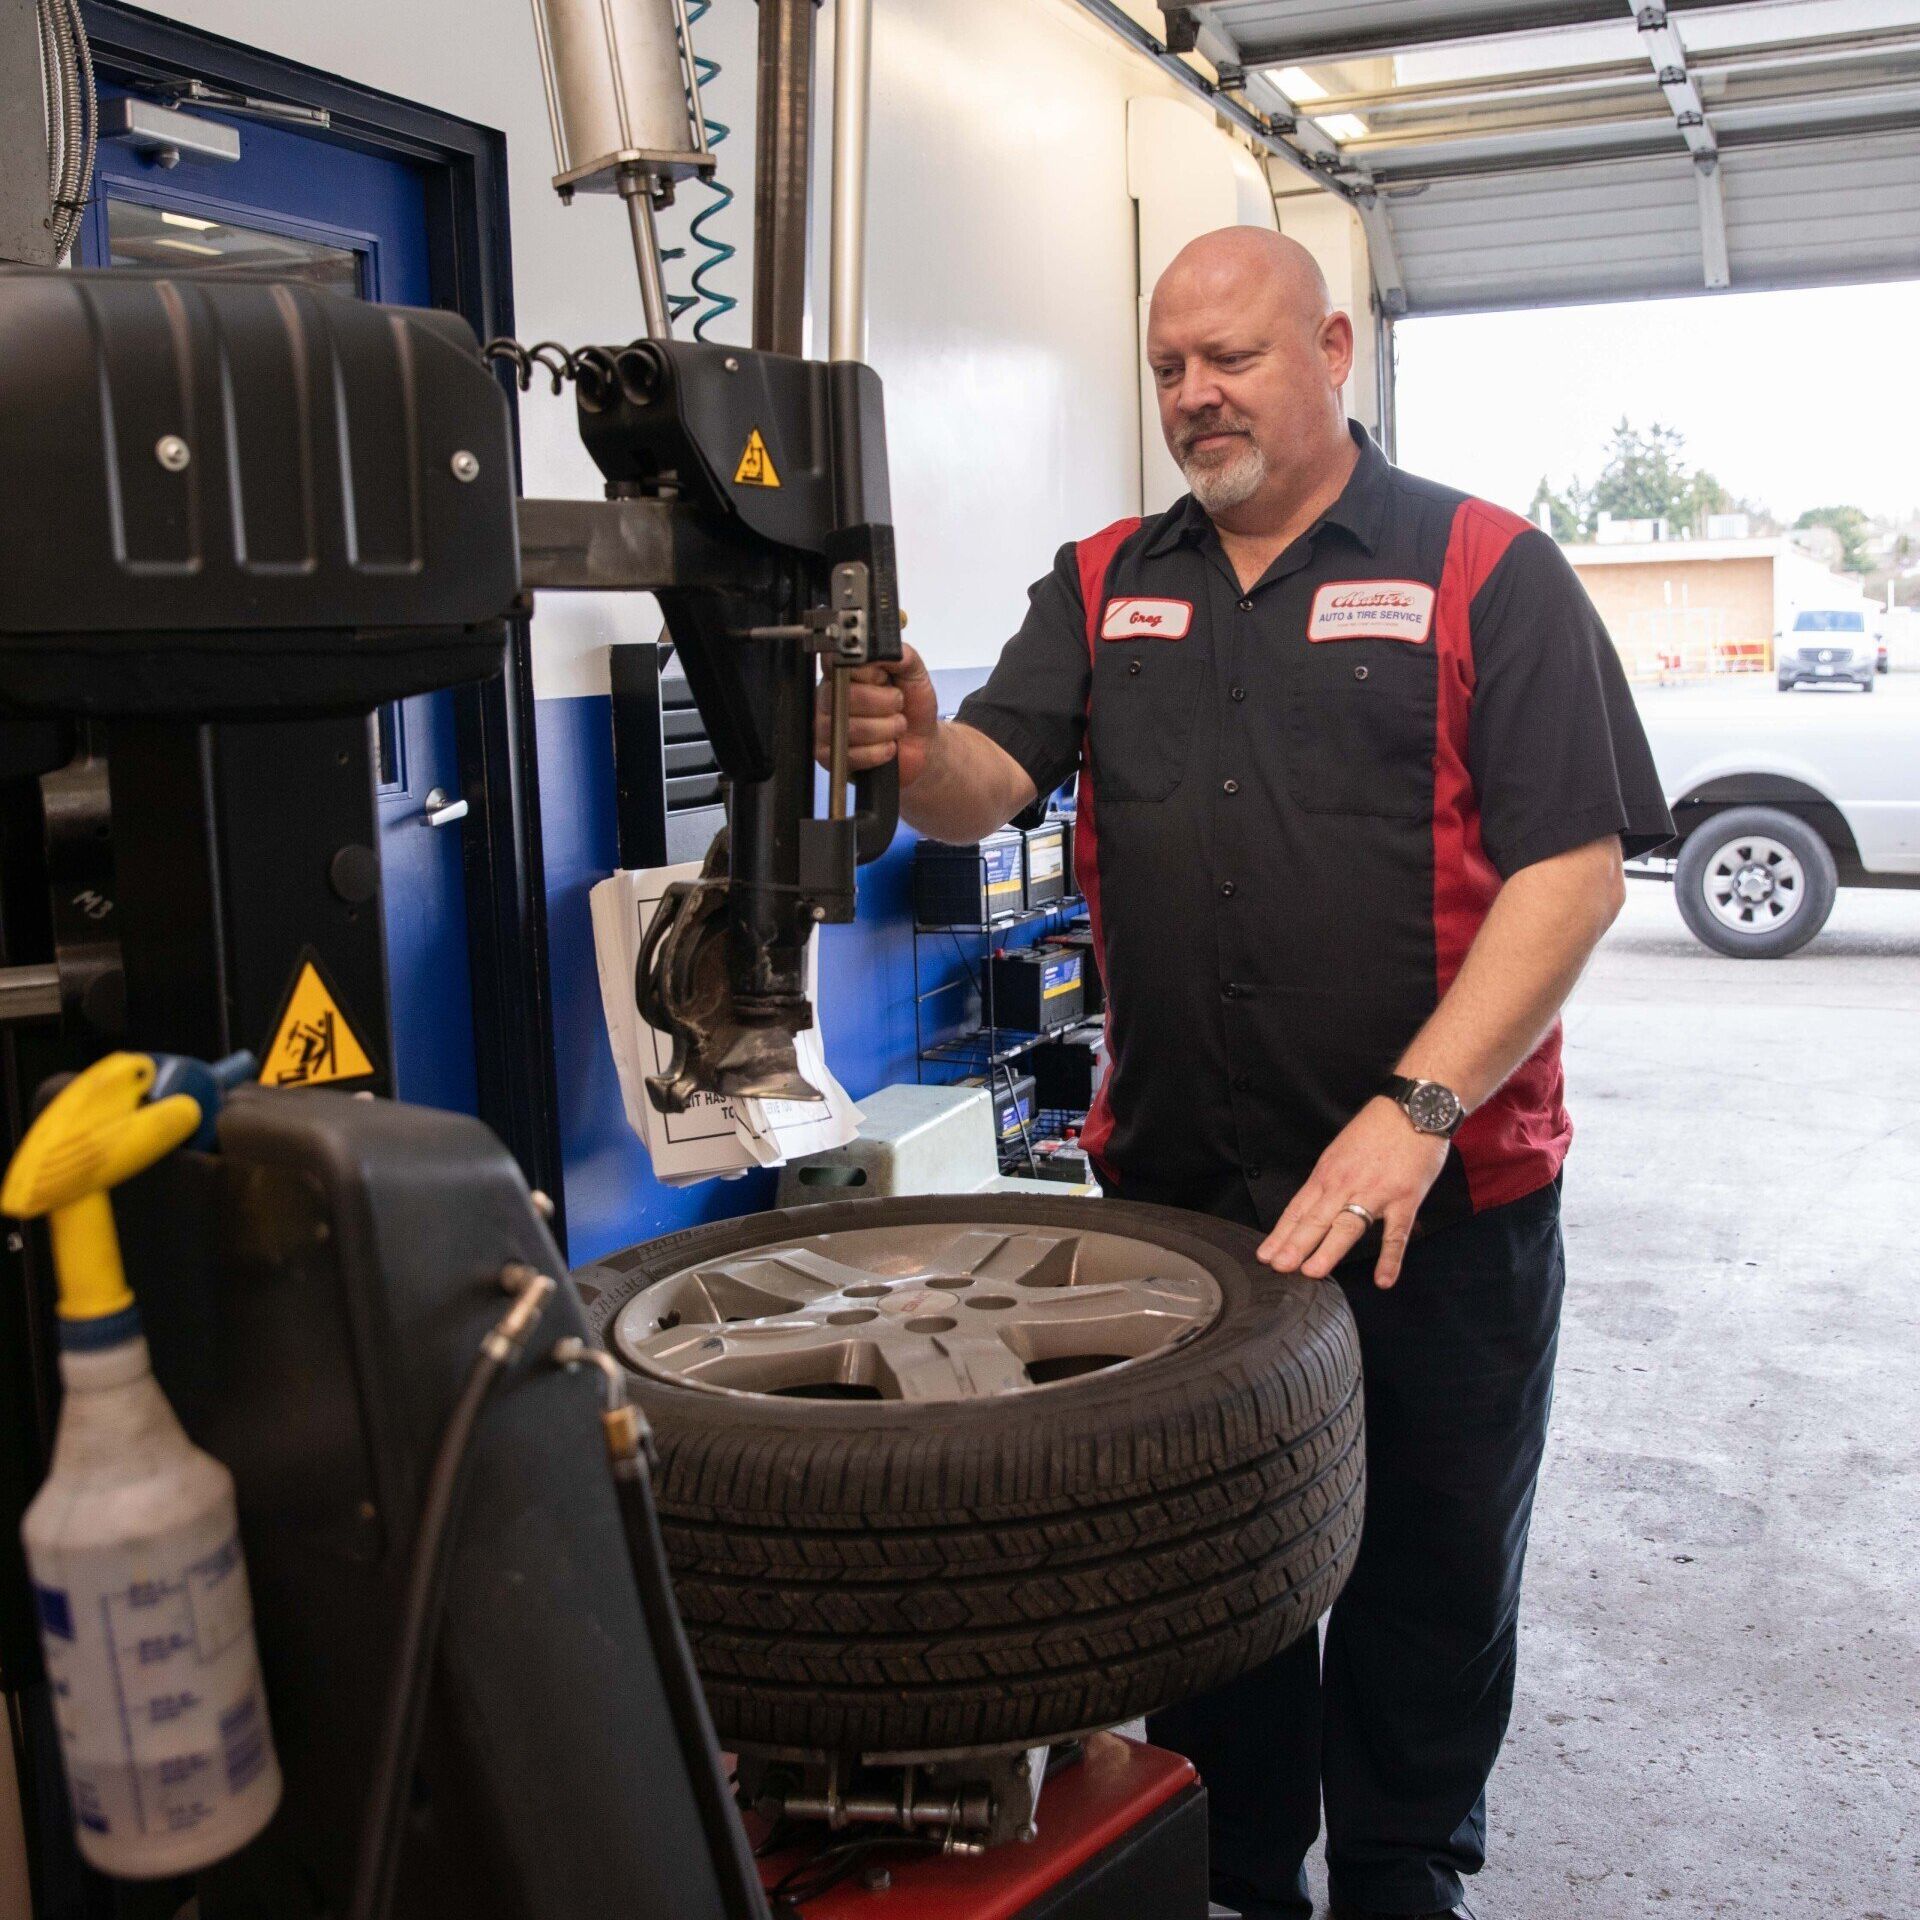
986 1048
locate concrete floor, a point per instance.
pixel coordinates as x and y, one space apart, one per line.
1719 1695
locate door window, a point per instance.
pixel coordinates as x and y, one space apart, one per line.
162 238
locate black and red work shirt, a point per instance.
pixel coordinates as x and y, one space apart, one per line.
1296 806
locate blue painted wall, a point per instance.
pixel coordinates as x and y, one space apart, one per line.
866 992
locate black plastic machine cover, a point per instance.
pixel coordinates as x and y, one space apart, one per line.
226 499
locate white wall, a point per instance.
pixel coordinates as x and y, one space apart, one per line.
1187 177
1330 230
1003 265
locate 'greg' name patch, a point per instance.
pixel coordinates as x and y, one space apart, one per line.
1146 620
1371 610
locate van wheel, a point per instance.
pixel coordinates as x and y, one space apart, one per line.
1755 883
978 1471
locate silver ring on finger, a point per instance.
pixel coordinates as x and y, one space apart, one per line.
1354 1207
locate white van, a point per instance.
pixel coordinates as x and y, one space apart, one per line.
1826 646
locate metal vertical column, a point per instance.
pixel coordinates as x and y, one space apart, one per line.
852 80
765 815
783 134
847 280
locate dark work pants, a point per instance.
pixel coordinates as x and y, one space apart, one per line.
1399 1723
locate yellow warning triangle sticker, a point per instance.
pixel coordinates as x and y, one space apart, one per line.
756 464
314 1043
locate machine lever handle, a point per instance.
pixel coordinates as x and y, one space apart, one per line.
442 812
876 801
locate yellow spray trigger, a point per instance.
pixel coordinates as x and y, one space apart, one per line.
94 1134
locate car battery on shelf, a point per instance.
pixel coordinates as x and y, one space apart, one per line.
1067 1072
1046 863
1064 1160
1014 1108
969 885
1035 990
1079 938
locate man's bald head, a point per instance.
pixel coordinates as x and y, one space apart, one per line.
1249 358
1246 264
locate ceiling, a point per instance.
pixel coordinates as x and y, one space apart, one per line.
1509 154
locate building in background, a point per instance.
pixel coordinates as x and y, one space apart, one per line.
1698 609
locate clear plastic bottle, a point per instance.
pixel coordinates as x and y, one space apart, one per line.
146 1621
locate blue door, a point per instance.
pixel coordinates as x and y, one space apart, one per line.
301 206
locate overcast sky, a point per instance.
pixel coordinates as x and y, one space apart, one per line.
1792 399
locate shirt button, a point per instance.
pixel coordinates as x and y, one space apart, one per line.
1133 666
1359 673
1229 786
1246 606
1253 1173
1229 991
1227 889
1239 693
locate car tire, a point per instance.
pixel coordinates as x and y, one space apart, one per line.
880 1576
1866 686
1713 852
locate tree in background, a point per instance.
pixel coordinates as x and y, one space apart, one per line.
1851 525
1565 514
1646 477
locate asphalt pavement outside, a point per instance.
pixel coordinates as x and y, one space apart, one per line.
1718 1709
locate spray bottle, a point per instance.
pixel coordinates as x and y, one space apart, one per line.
133 1542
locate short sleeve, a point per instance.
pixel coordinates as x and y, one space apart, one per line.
1554 745
1034 704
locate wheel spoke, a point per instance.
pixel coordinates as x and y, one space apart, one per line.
1121 1316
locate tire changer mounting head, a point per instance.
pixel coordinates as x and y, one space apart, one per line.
748 491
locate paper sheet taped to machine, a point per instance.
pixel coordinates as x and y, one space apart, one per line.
715 1136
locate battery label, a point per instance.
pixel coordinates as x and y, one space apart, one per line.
1046 859
1014 1117
1060 976
1002 868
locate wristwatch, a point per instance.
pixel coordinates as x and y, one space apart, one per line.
1431 1107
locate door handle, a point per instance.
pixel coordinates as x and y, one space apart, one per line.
442 812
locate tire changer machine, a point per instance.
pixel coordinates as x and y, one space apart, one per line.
240 517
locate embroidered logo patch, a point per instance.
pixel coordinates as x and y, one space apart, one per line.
1371 610
1146 620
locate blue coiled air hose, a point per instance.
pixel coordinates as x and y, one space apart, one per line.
714 303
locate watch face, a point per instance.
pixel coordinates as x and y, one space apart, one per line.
1433 1108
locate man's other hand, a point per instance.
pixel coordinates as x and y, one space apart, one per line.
1378 1161
892 713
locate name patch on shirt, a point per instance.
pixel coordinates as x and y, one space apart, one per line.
1371 610
1146 620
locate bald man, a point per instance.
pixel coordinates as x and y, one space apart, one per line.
1357 768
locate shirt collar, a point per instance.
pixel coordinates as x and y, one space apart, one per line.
1359 511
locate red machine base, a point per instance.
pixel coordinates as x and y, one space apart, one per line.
1121 1834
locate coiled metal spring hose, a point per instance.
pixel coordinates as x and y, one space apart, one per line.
594 365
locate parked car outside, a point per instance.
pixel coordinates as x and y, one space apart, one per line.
1779 804
1827 646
